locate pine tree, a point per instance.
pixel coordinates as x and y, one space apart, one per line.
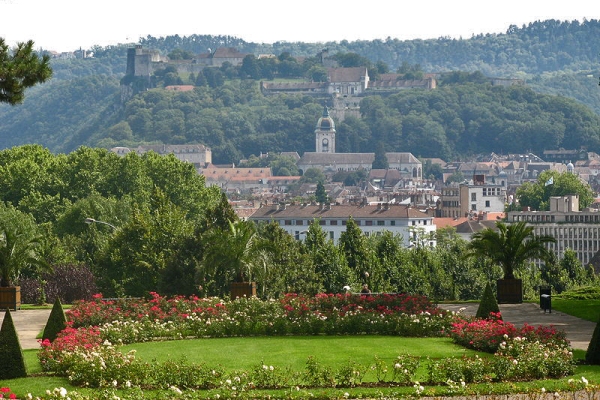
57 321
13 364
488 303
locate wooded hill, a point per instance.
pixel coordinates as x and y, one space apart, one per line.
558 107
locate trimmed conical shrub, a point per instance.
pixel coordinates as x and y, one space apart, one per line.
488 303
13 364
592 355
57 321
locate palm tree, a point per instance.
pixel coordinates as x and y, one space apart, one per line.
18 249
510 246
236 253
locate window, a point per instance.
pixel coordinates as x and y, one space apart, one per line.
331 235
393 223
487 203
474 207
473 196
321 222
380 223
288 222
369 222
333 222
299 222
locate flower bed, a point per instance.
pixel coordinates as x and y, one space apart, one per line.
85 353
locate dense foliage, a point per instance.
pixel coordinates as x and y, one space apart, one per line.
162 229
83 105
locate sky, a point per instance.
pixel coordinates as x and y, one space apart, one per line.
67 25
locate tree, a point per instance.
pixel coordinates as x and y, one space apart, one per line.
536 195
510 246
19 244
20 69
321 194
13 363
380 160
353 246
232 255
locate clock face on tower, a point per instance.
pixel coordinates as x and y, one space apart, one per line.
325 145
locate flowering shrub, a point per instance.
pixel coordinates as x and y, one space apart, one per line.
87 357
487 334
5 393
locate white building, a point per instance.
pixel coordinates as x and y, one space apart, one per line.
197 154
572 229
471 199
409 223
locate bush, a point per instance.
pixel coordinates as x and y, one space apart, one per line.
68 282
57 321
13 364
592 355
488 304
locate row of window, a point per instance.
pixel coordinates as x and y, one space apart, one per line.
359 222
552 218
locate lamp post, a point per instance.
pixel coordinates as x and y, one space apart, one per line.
95 221
297 235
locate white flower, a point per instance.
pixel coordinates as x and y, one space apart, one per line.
176 389
585 381
543 390
346 395
115 383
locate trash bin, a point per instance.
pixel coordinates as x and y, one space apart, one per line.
546 299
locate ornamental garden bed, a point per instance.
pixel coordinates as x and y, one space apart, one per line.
95 350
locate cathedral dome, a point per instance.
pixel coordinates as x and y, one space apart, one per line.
325 123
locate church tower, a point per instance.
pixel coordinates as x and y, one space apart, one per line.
325 133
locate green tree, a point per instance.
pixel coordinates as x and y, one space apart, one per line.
230 255
321 194
536 195
353 245
380 161
13 363
19 244
329 262
20 68
510 246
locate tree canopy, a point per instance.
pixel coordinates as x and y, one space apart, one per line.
20 68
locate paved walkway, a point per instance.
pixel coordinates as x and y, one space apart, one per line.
29 323
579 332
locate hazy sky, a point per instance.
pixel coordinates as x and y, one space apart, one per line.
66 25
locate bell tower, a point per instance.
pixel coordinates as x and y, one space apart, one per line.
325 133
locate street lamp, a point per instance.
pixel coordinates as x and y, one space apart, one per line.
95 221
297 235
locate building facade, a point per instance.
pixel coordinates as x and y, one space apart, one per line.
414 226
471 199
572 229
197 154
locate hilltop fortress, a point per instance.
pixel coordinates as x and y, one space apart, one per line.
342 89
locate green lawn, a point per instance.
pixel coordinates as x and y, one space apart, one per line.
293 351
585 309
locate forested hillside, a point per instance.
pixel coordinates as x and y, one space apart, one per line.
558 107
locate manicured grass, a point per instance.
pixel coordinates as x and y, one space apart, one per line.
293 351
584 309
